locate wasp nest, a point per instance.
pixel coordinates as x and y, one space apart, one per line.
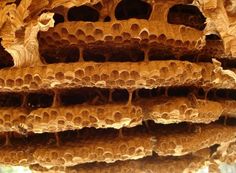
117 85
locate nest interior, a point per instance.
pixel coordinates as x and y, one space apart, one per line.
117 85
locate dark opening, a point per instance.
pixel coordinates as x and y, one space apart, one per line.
213 94
39 100
226 94
58 18
178 91
84 95
228 63
127 9
188 15
83 13
213 148
157 92
189 57
213 37
201 93
17 2
113 54
120 95
107 19
221 93
6 59
230 121
73 97
94 54
145 93
198 56
65 54
160 54
10 100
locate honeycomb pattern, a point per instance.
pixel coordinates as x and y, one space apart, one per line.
78 117
164 110
113 145
115 75
150 164
210 135
87 35
104 151
106 75
143 165
175 110
118 85
11 119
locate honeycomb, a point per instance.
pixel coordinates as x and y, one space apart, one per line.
117 85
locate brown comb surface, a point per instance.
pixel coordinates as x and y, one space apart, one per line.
151 164
165 110
116 75
93 145
117 85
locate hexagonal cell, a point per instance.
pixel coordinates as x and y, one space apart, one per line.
83 13
188 15
127 9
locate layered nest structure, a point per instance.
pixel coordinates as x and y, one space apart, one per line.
117 85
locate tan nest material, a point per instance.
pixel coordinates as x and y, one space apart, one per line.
117 86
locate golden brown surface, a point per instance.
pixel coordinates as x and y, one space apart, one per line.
109 145
151 164
117 85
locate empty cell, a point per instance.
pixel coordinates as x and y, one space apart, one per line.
212 37
84 95
107 19
161 53
120 95
58 18
73 97
57 55
39 100
127 9
6 59
10 99
188 15
178 91
83 13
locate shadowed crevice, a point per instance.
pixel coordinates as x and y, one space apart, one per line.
188 15
83 13
127 9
